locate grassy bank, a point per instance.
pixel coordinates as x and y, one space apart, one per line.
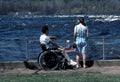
61 77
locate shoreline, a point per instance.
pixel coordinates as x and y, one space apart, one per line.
32 67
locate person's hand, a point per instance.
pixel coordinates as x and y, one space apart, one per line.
87 39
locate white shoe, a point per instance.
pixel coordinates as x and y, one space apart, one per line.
77 66
73 63
84 66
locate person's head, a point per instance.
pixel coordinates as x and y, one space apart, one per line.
81 20
45 29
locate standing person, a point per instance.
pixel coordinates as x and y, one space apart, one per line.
45 42
80 38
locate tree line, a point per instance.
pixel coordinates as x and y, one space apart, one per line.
61 6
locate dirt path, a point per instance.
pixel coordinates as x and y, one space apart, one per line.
101 70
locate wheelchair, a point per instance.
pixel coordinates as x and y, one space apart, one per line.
51 59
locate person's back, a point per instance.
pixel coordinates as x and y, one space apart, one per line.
44 41
81 33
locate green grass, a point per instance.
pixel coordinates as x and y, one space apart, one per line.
61 77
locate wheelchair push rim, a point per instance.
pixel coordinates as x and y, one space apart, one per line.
48 60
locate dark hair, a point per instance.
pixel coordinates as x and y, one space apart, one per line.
44 28
81 20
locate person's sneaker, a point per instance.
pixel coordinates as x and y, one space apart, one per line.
73 63
77 66
84 66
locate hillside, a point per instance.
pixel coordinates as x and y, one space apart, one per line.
61 6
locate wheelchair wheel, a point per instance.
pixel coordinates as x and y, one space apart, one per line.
48 60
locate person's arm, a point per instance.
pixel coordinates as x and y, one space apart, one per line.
74 33
55 44
87 33
48 39
52 37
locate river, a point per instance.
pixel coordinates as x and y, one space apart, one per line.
19 35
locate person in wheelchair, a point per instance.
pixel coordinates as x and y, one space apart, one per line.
45 42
